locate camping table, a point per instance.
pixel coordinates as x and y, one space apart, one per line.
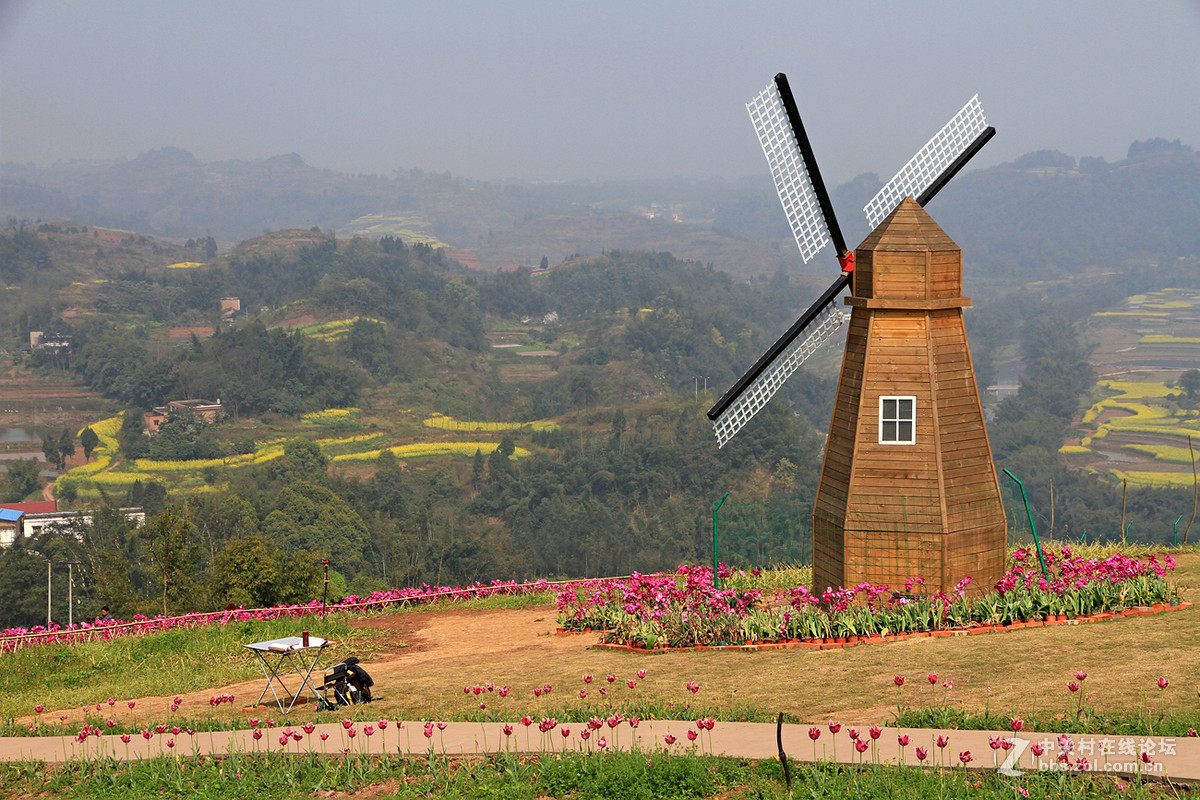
291 651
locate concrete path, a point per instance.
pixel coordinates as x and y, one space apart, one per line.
1177 758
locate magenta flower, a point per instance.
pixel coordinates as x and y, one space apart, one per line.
669 739
283 740
902 740
1073 686
257 734
582 694
853 734
1036 749
898 680
641 673
875 732
368 730
352 733
834 727
324 736
125 737
942 741
1163 683
587 678
932 678
1016 723
861 745
1080 676
922 753
508 729
38 709
691 734
610 678
601 742
814 733
965 756
309 727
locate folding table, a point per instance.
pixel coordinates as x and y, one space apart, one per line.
291 651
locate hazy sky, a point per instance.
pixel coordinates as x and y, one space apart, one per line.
586 90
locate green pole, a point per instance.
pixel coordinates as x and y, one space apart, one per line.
716 508
1177 529
1037 542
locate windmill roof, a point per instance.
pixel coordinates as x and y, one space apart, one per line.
908 227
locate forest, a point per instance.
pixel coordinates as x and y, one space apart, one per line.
625 481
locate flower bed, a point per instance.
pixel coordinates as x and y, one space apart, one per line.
13 638
683 609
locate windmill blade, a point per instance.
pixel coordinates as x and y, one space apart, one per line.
935 163
762 381
794 169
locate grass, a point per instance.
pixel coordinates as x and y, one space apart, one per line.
623 776
162 664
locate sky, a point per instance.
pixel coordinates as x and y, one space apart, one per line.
566 90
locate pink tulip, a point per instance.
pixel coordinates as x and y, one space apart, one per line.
861 745
283 740
565 732
1163 683
1036 749
932 678
601 742
1080 676
257 733
1073 686
691 734
38 709
875 732
587 678
898 680
669 739
641 673
1016 723
309 727
965 756
922 753
125 737
834 727
814 733
942 741
508 729
853 734
902 740
324 736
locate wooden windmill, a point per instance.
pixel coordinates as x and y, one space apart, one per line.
908 488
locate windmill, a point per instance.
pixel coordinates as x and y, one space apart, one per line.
908 488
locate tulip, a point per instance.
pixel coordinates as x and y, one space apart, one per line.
922 753
508 729
1080 676
942 741
814 733
1073 686
1036 749
861 745
1016 723
932 678
834 727
898 680
587 678
125 737
691 734
902 739
669 739
601 742
875 732
309 727
853 734
965 756
1163 683
641 673
257 734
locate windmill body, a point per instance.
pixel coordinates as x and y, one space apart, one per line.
908 488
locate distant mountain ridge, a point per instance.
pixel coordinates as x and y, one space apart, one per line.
1044 213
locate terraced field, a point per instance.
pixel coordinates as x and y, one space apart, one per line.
1138 430
108 472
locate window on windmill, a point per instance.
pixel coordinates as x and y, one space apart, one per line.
897 420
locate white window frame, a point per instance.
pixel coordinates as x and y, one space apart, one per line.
897 420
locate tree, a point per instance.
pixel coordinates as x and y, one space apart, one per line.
246 573
50 451
312 518
173 556
66 448
23 479
1190 383
302 460
89 440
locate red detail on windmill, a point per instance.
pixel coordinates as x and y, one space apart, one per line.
847 261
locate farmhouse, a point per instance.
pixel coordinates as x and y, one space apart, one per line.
203 409
15 519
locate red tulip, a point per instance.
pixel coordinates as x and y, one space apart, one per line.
834 727
942 741
875 732
898 680
902 739
814 733
1080 676
1163 683
861 745
965 756
1016 723
922 753
1073 686
669 739
932 677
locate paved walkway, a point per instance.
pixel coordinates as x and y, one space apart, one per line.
1175 757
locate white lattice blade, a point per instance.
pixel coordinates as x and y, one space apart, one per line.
764 387
792 181
929 162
